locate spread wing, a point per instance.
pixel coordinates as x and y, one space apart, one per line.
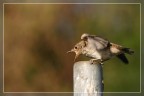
96 41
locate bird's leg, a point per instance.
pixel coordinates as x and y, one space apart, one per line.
92 61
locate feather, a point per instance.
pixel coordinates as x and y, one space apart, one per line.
99 42
123 58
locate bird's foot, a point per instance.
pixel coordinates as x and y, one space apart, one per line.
92 61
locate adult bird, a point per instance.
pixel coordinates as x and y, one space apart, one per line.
100 49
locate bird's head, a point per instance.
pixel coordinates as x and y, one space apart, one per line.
78 49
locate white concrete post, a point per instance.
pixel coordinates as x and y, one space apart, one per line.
88 79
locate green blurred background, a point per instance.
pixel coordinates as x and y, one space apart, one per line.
37 37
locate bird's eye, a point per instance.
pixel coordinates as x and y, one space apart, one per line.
75 47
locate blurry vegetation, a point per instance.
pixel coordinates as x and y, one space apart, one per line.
37 37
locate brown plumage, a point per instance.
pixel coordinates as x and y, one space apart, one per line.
100 49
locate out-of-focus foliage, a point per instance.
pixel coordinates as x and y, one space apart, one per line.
37 37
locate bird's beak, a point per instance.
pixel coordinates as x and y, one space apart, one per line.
71 51
77 54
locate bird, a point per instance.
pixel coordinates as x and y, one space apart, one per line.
100 49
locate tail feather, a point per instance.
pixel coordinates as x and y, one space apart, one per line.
123 58
128 51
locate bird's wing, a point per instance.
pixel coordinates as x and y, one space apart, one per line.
99 42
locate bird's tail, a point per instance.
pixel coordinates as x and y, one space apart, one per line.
127 50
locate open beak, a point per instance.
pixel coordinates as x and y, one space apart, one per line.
77 54
71 51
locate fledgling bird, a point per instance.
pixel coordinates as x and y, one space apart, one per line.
100 49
